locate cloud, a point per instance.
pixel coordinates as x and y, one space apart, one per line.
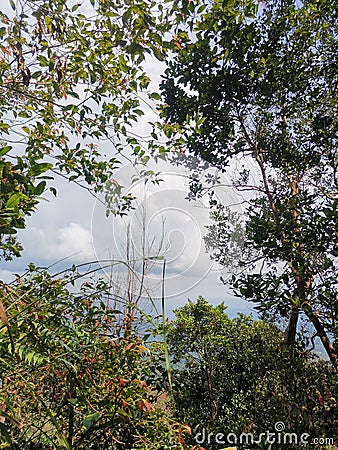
75 240
72 241
6 276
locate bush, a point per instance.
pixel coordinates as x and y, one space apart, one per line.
70 377
233 376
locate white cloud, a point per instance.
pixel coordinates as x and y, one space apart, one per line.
75 240
72 241
6 276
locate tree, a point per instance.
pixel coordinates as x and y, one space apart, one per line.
232 376
251 88
70 81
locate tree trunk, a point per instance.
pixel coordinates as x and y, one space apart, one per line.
291 330
321 333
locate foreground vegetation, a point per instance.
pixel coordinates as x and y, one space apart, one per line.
75 375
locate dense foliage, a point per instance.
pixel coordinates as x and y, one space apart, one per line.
232 376
72 376
252 89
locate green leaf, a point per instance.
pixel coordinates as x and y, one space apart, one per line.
15 199
155 96
40 188
90 420
158 54
123 63
5 150
37 169
24 114
53 191
37 74
4 434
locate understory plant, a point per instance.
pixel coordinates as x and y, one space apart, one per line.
72 376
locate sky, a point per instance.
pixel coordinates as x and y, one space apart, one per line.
74 228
